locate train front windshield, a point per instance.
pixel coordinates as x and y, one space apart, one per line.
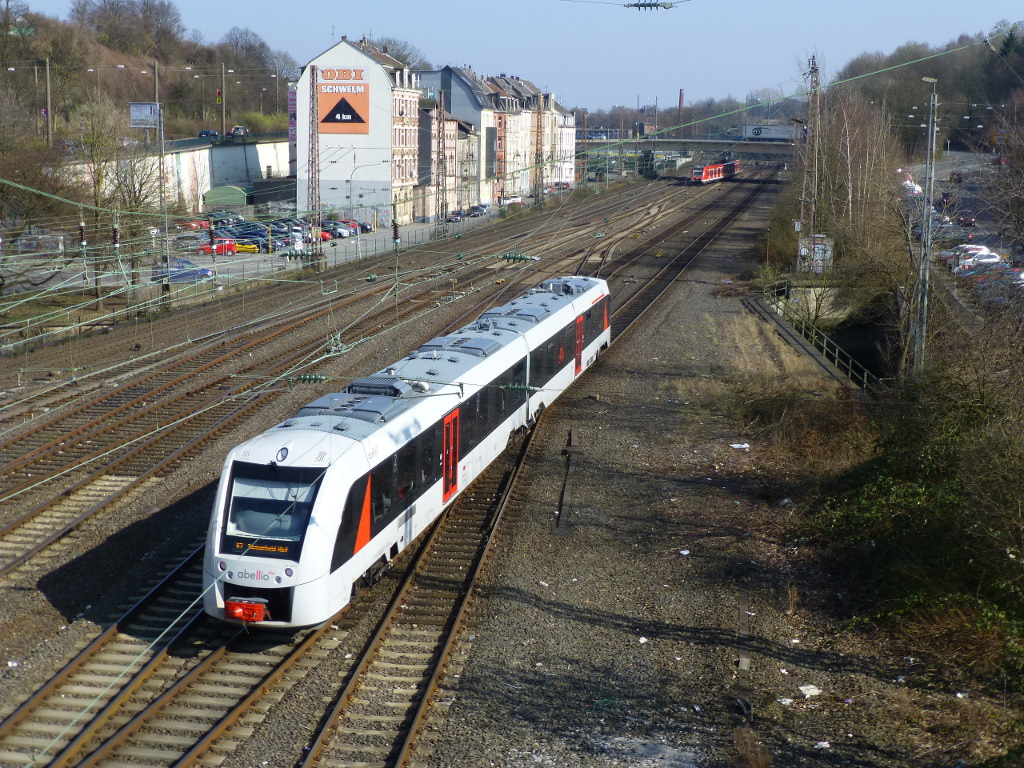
268 509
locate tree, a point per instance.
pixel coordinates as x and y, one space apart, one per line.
402 50
1005 190
12 12
245 48
34 178
163 26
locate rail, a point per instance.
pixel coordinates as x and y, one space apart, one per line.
775 297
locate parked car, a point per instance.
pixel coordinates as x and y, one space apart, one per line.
181 271
337 229
455 217
355 226
247 246
971 264
225 217
207 134
222 246
192 224
953 255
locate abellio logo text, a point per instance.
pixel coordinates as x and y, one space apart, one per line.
255 575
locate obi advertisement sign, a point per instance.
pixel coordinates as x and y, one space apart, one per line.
343 101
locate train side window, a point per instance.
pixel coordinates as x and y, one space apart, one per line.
382 491
469 420
519 378
483 415
406 487
345 541
429 453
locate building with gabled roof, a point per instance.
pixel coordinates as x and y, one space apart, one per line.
364 113
527 140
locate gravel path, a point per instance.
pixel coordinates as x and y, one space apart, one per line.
674 627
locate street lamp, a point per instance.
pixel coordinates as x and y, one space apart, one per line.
350 196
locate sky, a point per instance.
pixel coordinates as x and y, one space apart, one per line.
600 54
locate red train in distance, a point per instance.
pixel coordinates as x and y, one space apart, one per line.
705 174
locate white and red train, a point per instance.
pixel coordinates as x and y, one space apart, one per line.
322 502
705 174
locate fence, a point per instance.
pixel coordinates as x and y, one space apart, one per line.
122 300
776 298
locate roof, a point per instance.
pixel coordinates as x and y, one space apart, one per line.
229 194
370 404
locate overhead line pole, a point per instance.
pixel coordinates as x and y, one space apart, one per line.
924 259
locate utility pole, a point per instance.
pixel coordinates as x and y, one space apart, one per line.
538 163
809 189
441 166
924 259
585 172
815 121
224 101
313 186
49 107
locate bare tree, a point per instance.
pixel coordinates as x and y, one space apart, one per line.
407 53
287 67
1005 191
163 26
246 47
34 179
10 12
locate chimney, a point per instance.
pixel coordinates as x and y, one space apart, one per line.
385 49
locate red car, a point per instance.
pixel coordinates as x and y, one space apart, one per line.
222 246
193 224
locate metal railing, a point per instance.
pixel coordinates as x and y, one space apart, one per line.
776 298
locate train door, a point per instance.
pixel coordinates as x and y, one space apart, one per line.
450 456
579 344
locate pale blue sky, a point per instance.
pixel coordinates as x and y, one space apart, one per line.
599 54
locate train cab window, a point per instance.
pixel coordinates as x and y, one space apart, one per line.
269 509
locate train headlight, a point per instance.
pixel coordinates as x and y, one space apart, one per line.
222 565
278 579
289 572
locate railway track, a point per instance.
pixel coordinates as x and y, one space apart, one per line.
138 450
200 691
376 717
164 685
90 430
